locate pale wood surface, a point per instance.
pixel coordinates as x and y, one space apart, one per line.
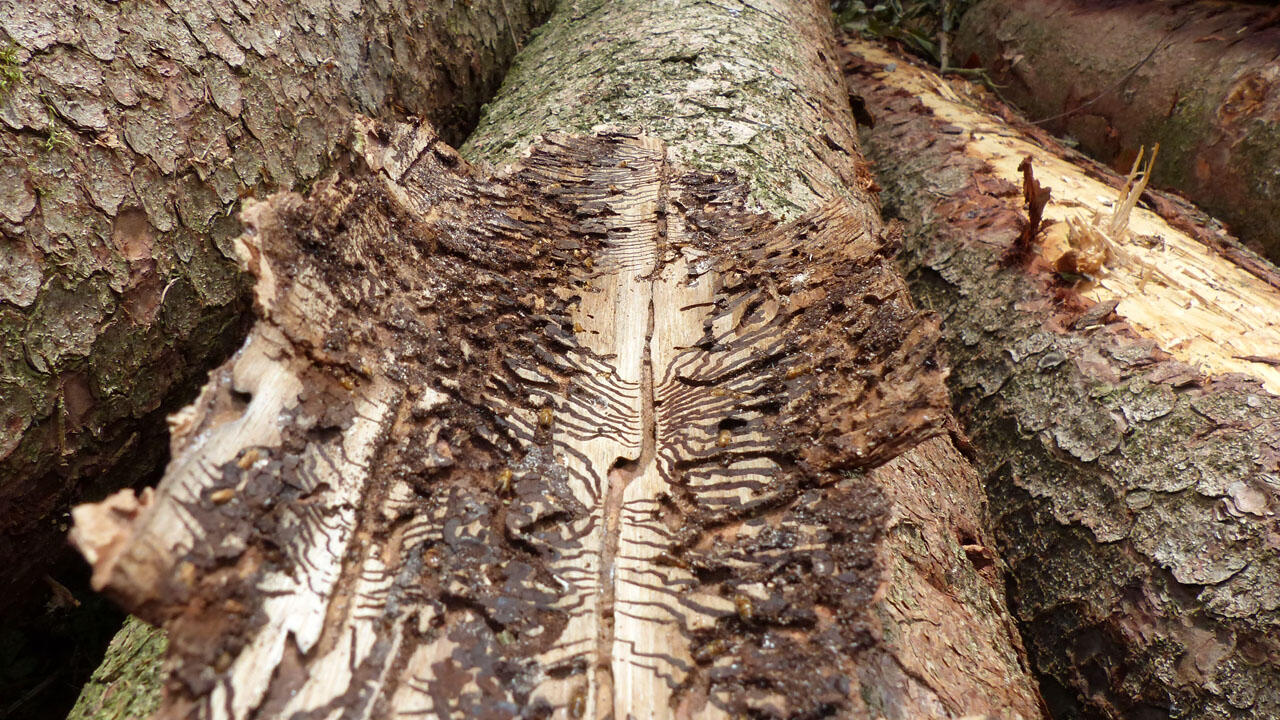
654 485
1128 454
1198 305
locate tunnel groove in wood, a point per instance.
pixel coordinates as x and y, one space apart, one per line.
588 439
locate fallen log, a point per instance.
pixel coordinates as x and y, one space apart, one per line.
131 132
586 437
1197 78
1118 379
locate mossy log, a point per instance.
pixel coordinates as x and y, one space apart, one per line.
129 131
1200 79
127 683
1118 378
588 436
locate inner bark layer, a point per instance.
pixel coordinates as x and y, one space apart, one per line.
587 438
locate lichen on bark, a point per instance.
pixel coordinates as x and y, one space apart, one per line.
129 132
127 683
692 85
733 509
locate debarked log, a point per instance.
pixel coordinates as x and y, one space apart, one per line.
1198 78
1117 369
589 436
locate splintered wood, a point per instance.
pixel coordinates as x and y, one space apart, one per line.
1201 307
588 439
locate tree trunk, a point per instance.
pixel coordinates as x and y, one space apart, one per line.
1122 401
131 130
1198 78
588 438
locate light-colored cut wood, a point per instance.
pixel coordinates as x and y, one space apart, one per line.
1199 306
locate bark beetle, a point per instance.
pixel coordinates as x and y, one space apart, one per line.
1198 79
467 469
1134 494
130 132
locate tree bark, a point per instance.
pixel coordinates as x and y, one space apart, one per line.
1126 419
587 438
131 131
1198 78
127 683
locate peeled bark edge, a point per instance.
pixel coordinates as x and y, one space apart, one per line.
1134 496
932 531
130 141
1198 79
129 133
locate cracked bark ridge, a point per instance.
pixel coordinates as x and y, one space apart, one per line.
585 439
130 131
1201 80
1130 442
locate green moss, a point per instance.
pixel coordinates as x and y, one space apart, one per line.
1181 135
1259 148
127 683
10 70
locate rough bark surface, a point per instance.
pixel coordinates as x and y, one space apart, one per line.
127 683
1201 79
587 438
130 131
1127 423
761 97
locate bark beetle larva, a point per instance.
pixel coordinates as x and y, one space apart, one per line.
710 651
251 456
578 703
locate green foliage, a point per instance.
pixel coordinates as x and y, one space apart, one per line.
919 25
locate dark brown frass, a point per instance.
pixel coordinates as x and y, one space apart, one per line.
588 436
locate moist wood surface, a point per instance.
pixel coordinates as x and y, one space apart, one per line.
1126 420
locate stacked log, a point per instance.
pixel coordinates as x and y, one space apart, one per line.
1117 364
588 436
1197 78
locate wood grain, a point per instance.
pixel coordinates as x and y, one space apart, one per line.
584 440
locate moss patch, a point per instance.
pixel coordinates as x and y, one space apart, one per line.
127 683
